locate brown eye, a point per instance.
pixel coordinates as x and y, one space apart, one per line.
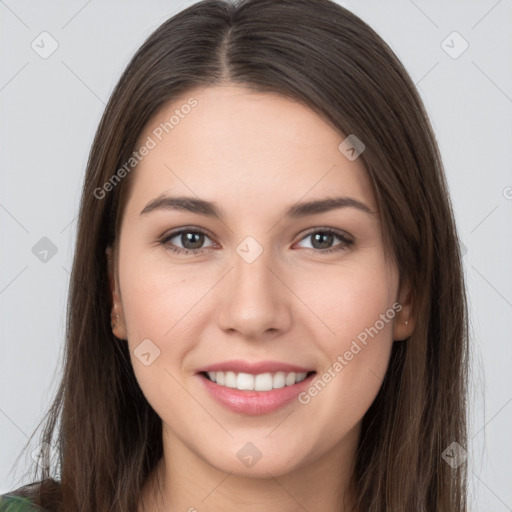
191 241
322 240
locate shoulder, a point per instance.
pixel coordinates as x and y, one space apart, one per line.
10 503
13 503
40 496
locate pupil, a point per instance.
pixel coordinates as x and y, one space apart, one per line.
189 237
326 237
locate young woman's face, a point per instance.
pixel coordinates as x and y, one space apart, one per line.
262 293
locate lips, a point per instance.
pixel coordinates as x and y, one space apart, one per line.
255 387
254 368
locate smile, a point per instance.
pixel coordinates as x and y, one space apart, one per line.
259 382
268 388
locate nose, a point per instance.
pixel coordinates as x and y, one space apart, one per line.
255 301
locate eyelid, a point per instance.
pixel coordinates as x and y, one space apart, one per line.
186 228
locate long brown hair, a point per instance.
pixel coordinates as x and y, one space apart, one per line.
106 436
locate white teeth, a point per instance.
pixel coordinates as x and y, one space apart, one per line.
279 380
263 382
229 379
259 382
245 381
300 377
290 379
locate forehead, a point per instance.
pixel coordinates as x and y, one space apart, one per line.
234 145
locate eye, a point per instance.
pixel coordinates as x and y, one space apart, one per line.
190 239
323 238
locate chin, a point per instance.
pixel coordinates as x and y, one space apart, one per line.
259 458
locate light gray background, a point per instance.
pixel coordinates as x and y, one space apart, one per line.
50 111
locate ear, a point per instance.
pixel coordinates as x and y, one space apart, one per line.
116 314
402 330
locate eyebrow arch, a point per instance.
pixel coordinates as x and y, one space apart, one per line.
209 209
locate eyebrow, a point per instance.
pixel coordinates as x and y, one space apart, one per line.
210 209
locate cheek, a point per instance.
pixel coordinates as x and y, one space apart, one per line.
166 305
358 307
349 299
157 297
158 309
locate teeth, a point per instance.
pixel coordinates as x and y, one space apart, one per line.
229 379
290 379
279 380
263 382
245 381
259 382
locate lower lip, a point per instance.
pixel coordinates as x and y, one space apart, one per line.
255 402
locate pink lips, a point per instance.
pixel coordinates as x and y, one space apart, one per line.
254 402
239 366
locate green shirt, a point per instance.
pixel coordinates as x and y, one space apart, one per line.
17 504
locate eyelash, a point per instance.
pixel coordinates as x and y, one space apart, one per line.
346 242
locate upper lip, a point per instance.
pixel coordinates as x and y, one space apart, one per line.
239 366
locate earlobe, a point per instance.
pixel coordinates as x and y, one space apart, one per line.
116 315
404 321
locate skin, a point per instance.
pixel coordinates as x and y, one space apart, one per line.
254 154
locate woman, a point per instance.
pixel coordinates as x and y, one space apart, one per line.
267 307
